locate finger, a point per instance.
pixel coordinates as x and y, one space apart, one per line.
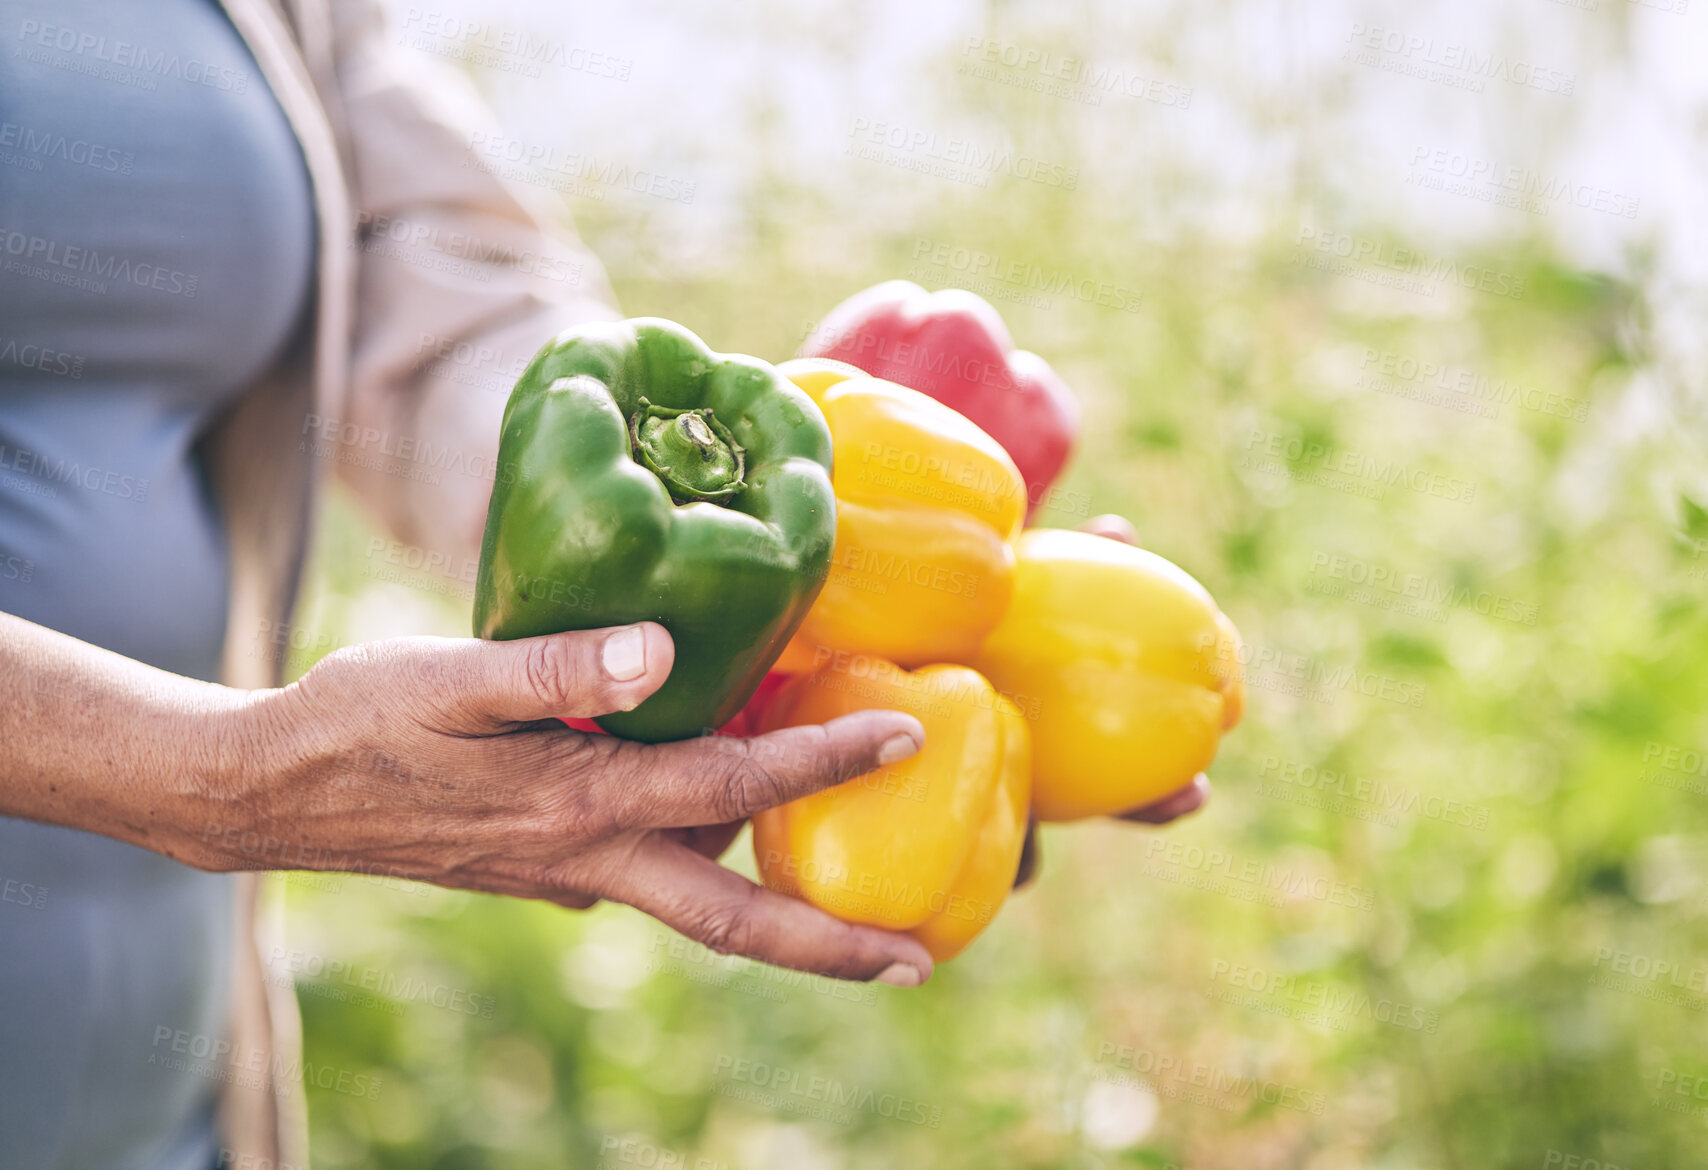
1176 804
714 781
722 910
582 673
1029 856
1112 526
709 841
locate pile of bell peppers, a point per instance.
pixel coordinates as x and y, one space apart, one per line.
855 528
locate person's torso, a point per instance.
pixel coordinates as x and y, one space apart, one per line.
156 256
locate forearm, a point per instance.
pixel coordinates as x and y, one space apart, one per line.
431 759
96 741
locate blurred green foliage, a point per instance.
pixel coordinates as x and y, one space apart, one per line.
1471 754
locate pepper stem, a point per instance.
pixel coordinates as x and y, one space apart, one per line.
690 451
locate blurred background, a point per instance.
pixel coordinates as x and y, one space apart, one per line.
1388 321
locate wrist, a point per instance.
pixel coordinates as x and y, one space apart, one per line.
237 781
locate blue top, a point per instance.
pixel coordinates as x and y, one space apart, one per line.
156 256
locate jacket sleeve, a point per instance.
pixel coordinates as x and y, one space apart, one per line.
461 276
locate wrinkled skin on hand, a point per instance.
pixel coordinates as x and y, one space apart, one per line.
443 760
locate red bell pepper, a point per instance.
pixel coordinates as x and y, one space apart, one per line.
953 346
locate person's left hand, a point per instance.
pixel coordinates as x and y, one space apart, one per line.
1159 812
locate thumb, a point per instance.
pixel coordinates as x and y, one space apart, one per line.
579 674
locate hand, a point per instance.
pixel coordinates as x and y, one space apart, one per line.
1159 812
441 760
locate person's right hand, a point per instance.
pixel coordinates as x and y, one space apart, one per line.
441 760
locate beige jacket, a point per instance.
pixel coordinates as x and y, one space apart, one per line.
437 281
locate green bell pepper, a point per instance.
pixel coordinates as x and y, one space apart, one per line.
642 477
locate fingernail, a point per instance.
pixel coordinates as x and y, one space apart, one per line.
624 654
900 974
897 747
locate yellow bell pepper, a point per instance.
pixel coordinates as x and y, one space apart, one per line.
929 846
1130 672
927 510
